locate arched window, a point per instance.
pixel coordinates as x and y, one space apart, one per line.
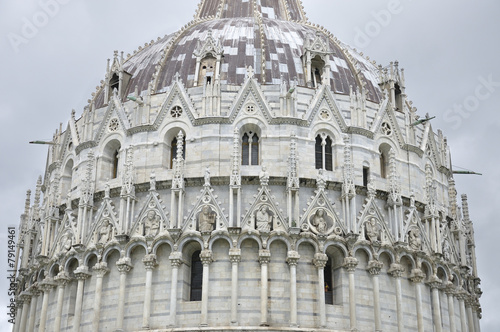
384 160
66 179
173 150
327 273
114 83
317 68
110 160
250 149
196 276
324 152
207 69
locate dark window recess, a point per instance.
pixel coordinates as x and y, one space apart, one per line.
255 149
327 273
196 277
114 83
328 154
114 175
319 152
245 150
366 174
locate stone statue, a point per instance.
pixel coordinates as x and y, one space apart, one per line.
207 177
414 239
319 221
65 243
372 230
151 223
264 177
152 181
206 219
264 219
105 232
320 179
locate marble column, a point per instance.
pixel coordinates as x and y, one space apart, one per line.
374 267
320 261
100 269
81 273
124 266
26 297
435 283
396 270
62 280
350 264
292 260
19 314
235 258
470 319
450 292
417 277
463 314
46 286
264 259
206 260
475 312
149 264
34 299
175 262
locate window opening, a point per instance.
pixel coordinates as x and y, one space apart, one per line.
114 174
196 276
250 149
366 173
327 274
323 151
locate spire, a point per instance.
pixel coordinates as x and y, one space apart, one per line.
288 10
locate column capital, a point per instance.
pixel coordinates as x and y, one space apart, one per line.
206 257
292 258
149 261
396 270
175 259
124 265
320 260
350 264
264 256
374 267
235 255
25 297
47 285
100 269
417 276
435 282
62 279
34 290
450 288
82 273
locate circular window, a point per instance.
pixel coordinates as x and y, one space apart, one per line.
386 129
324 114
176 112
113 124
250 108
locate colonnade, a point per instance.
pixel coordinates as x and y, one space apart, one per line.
29 300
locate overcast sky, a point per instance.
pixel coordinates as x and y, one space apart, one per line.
52 58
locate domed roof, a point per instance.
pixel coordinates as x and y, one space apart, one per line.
271 36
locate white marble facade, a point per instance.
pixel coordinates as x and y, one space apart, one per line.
262 206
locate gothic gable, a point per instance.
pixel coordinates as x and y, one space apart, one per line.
105 226
320 216
264 214
177 98
250 93
386 124
115 119
325 99
371 223
152 219
206 214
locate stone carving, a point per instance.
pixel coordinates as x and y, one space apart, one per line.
264 177
373 230
65 242
207 177
206 219
150 224
320 179
264 218
105 232
414 239
152 181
